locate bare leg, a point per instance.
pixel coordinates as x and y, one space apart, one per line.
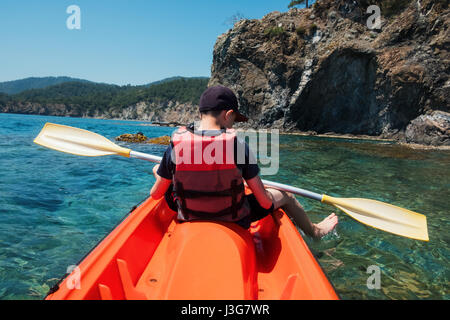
295 211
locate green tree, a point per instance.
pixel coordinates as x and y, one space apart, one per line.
297 2
96 97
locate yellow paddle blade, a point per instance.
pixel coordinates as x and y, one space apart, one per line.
383 216
77 141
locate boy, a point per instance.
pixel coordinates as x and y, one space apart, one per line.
215 190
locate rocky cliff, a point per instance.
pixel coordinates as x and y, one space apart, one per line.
166 112
323 70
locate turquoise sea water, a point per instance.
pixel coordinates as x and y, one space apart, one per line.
55 207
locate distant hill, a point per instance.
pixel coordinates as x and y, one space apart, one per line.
175 78
17 86
93 98
169 100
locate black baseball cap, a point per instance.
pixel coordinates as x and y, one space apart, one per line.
221 98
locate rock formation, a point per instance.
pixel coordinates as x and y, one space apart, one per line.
169 112
141 138
134 138
323 70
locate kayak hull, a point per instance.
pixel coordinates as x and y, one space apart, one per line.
151 256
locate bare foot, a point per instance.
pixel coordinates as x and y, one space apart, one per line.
326 226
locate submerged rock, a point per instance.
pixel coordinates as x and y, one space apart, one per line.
135 138
164 140
141 138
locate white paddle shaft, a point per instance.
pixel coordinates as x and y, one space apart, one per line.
294 190
145 156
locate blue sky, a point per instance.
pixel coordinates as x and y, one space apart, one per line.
121 42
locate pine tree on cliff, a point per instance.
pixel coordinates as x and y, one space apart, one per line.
297 2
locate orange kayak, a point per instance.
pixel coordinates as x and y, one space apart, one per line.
149 255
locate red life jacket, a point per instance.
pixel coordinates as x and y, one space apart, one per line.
207 183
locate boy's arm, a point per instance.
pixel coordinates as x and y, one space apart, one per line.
263 197
250 171
161 185
163 173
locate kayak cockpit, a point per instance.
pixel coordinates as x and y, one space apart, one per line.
202 259
152 256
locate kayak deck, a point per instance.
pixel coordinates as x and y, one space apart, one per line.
152 256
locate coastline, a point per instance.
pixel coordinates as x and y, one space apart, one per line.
414 146
325 135
339 136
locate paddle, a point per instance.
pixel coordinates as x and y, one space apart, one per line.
373 213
